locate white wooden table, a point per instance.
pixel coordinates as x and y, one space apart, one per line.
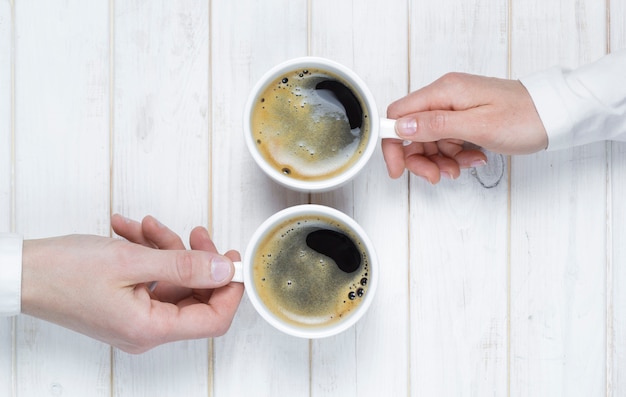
510 280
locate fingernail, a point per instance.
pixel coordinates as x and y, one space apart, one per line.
478 163
220 269
406 126
126 220
426 179
446 174
158 222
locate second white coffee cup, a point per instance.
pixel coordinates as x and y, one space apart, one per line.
310 271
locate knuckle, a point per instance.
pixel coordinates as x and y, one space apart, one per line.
438 121
220 328
135 340
184 267
455 84
453 78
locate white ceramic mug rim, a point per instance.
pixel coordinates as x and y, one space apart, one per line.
357 84
293 329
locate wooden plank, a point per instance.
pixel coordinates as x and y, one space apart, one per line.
334 369
458 229
6 115
558 226
6 165
249 37
350 364
62 171
178 154
616 297
617 26
616 310
160 158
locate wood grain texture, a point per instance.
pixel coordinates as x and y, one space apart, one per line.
334 369
248 38
616 299
344 365
616 233
161 158
458 244
6 176
507 281
558 229
6 114
62 171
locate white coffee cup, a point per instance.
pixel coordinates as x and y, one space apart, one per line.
374 126
262 276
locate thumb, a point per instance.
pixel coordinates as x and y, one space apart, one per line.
432 126
188 268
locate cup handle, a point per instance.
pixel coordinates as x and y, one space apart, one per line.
388 128
238 276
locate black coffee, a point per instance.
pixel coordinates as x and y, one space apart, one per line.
311 270
309 124
337 246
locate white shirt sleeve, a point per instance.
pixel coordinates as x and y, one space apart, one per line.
583 105
10 274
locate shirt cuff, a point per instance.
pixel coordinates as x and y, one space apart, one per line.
544 88
10 274
581 106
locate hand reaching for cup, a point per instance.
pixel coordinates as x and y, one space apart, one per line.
99 286
443 117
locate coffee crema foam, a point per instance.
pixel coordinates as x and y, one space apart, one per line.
301 285
304 129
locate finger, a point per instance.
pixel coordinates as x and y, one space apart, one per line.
233 255
199 239
193 320
129 229
199 320
443 109
450 147
151 233
448 167
465 158
205 295
430 149
160 235
168 292
183 268
393 153
224 302
424 167
432 126
471 158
